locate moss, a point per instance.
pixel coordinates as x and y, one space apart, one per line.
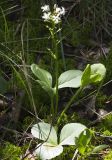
108 122
10 152
108 156
101 99
105 126
107 133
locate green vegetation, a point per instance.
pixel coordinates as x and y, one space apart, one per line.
108 156
55 80
10 151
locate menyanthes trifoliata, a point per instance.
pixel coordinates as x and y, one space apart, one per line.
54 16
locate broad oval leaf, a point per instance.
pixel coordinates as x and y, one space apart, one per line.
69 132
98 72
45 132
70 78
48 151
42 74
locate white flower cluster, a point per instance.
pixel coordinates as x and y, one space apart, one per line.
55 15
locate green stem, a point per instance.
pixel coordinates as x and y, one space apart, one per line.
56 108
52 106
69 104
55 51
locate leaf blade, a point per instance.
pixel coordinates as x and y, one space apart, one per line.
42 74
45 132
47 151
47 88
85 80
70 78
98 72
100 148
69 132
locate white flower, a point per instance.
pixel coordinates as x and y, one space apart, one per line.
55 15
46 16
55 6
45 8
56 19
62 12
57 9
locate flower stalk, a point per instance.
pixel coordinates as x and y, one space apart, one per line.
54 17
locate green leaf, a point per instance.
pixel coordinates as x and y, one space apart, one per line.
70 78
93 73
100 148
48 89
85 80
50 148
98 72
69 132
42 74
83 140
45 132
48 151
